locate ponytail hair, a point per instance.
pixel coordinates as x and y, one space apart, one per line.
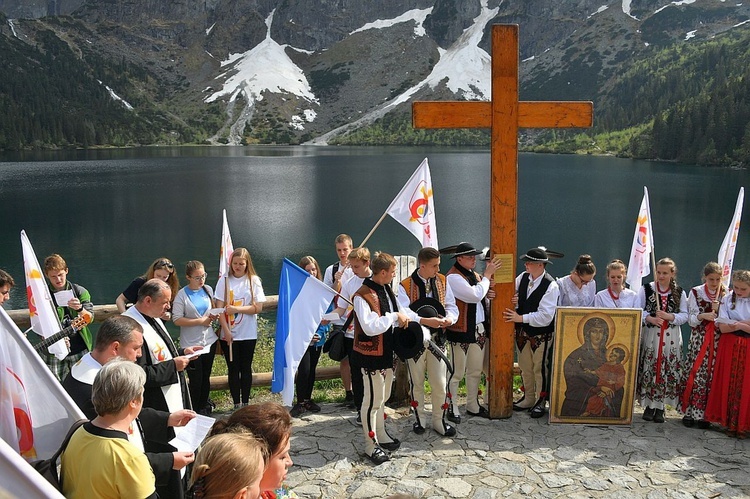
226 464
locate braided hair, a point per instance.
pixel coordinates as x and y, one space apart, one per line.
672 280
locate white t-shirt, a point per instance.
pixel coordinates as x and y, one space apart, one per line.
244 326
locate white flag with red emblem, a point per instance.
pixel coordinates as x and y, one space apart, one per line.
42 310
726 252
35 411
639 265
414 207
226 247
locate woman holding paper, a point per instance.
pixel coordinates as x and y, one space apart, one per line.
729 398
240 322
191 310
306 371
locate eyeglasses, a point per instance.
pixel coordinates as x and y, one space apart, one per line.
585 281
199 277
164 264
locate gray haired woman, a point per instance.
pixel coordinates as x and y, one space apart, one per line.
99 460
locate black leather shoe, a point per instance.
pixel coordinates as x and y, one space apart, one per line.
453 418
359 418
520 406
482 413
379 456
659 416
418 428
648 414
688 421
539 409
703 425
450 431
392 446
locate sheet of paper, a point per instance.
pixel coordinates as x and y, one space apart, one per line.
331 316
63 297
199 352
190 436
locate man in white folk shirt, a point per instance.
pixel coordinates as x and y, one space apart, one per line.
376 315
537 297
427 287
468 336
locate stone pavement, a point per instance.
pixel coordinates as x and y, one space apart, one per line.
518 457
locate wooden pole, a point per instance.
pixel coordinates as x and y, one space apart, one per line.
503 210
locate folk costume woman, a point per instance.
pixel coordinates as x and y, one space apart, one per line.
239 323
729 398
616 295
578 289
659 370
704 341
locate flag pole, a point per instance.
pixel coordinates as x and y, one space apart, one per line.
367 238
653 249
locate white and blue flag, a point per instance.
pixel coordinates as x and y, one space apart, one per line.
303 300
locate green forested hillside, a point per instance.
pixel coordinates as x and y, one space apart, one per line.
688 103
53 96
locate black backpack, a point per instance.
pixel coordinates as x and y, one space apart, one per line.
48 467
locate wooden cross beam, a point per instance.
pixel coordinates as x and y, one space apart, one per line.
504 115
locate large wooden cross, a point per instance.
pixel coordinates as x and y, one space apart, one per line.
504 115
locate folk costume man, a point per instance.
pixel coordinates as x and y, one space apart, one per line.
166 389
122 337
468 336
537 295
376 314
427 287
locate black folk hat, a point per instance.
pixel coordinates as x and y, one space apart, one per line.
540 254
462 249
408 342
428 307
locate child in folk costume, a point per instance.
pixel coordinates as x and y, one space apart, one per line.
698 370
616 295
578 289
659 370
239 323
729 398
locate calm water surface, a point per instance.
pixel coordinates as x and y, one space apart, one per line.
110 213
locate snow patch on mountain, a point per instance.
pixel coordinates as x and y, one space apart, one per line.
465 69
626 8
416 15
681 2
598 11
116 97
265 67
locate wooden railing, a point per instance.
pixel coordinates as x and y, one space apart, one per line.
103 312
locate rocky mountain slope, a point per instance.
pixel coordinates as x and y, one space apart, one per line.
293 71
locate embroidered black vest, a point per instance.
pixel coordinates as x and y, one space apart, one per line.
464 330
374 352
530 303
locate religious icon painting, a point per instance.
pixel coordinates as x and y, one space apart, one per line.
594 365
